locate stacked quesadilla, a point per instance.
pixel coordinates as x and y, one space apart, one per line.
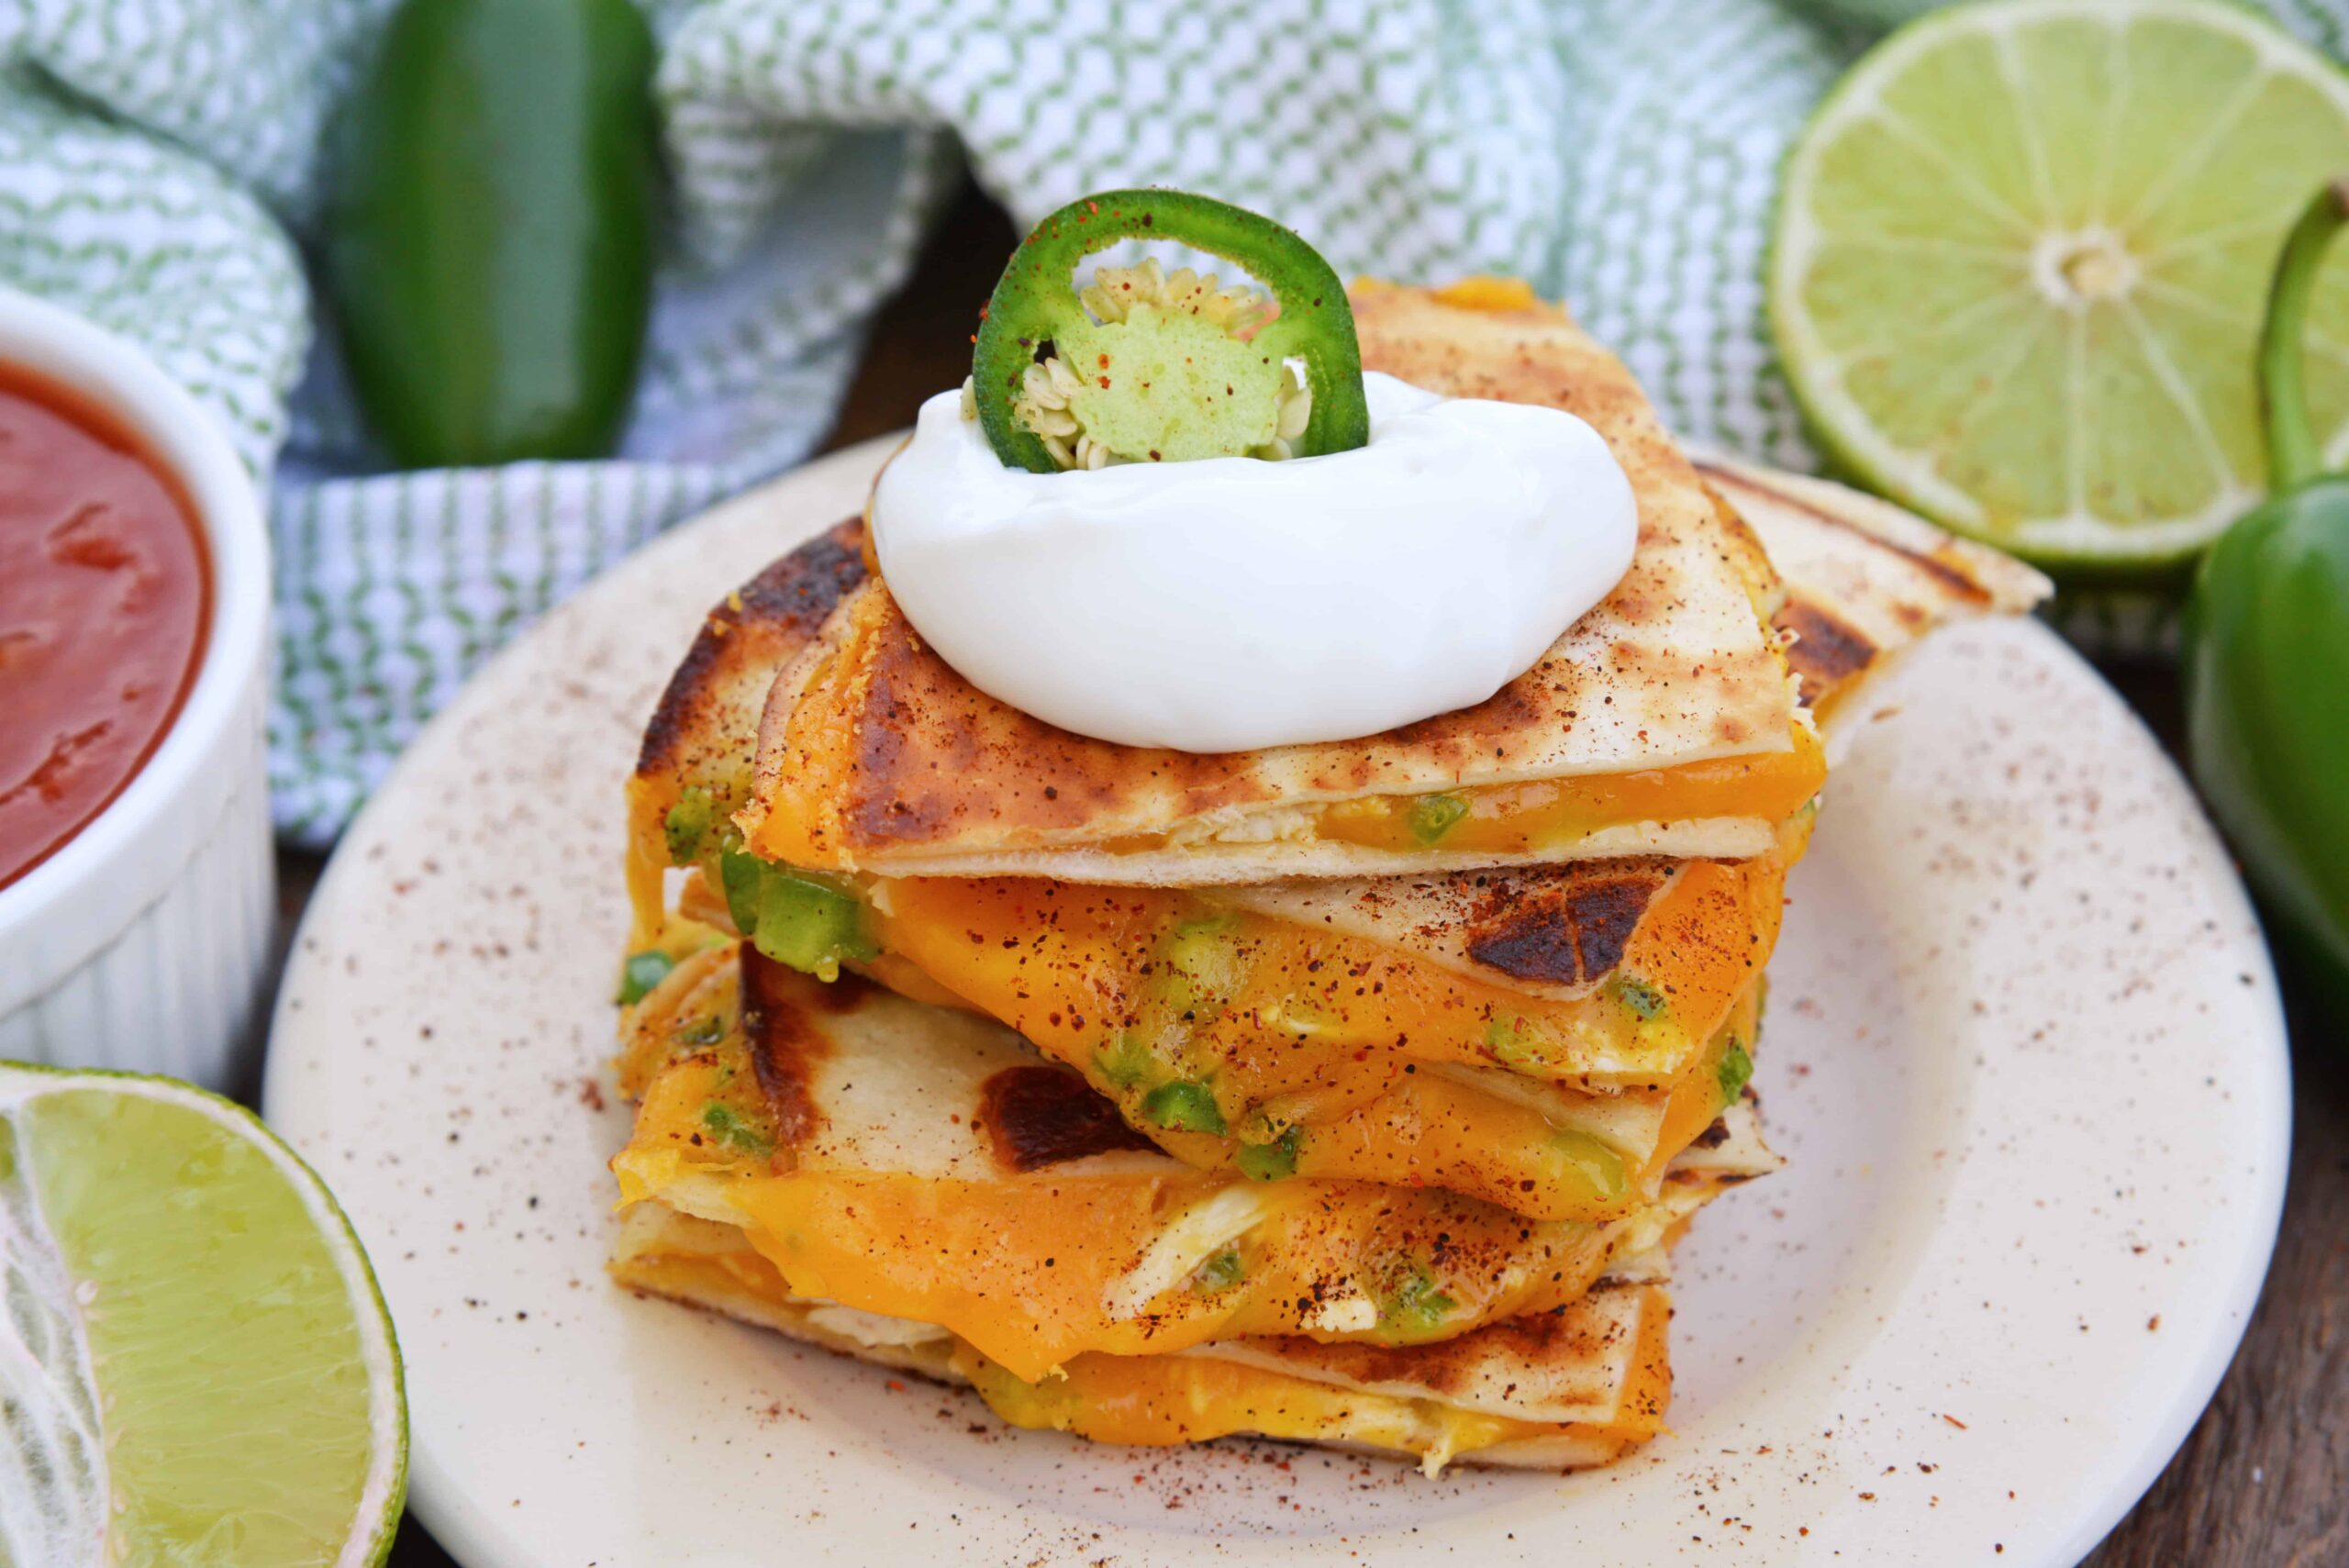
1347 1093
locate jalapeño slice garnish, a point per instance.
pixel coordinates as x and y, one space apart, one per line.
1147 366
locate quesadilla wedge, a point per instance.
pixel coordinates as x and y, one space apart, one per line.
924 1163
1578 1386
1228 1054
1662 722
1546 1037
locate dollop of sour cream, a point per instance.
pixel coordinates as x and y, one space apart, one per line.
1233 604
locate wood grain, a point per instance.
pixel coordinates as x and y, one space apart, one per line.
2264 1479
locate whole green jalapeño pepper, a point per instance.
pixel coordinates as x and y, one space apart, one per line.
489 240
2267 646
1145 367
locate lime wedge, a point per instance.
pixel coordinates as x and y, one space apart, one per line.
196 1367
2020 258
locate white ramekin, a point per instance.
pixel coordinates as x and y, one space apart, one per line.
144 942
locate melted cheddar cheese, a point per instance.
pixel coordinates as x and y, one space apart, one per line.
1169 1399
1162 1401
1344 1111
1434 1131
1165 1400
1067 964
1556 814
1037 1269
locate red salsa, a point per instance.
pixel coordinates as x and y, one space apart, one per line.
105 596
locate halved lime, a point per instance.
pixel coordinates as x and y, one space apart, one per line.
2020 258
196 1367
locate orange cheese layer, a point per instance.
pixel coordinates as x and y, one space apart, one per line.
1035 1270
1434 1131
1325 1035
1508 818
647 863
1306 1008
1164 1400
1374 1115
1315 1011
1026 1271
1551 814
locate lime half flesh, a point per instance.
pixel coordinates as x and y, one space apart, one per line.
196 1367
2021 260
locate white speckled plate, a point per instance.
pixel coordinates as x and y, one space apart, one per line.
2024 1052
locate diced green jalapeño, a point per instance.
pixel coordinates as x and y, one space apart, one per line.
1432 816
1594 1164
687 826
1736 1067
1200 966
1270 1161
1184 1106
1219 1272
726 1125
1414 1308
792 917
640 971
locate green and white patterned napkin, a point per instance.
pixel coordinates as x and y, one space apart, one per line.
158 168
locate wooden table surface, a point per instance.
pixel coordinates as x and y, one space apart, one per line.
2264 1479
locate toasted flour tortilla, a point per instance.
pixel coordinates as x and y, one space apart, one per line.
923 1163
1556 930
1548 950
1562 1390
1865 579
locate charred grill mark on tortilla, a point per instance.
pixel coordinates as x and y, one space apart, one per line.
1036 1116
786 1043
1451 1368
1826 651
1569 926
929 754
753 629
891 740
